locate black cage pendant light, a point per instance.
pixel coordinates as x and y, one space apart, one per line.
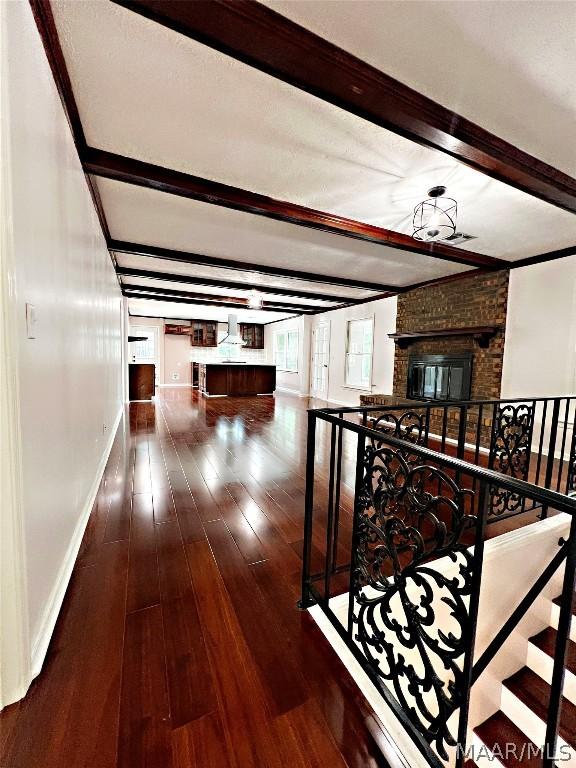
435 218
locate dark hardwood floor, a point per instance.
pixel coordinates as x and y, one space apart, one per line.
179 643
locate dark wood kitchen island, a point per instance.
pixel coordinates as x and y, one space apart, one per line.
221 379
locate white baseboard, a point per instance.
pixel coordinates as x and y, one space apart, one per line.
173 385
50 615
289 391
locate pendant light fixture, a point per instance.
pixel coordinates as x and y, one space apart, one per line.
255 299
435 218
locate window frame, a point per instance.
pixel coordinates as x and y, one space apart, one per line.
347 385
282 365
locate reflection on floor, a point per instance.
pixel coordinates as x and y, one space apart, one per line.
179 643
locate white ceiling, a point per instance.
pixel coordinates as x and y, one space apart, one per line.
144 308
218 118
147 284
137 214
149 93
252 279
507 66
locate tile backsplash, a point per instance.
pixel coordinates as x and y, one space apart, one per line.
215 354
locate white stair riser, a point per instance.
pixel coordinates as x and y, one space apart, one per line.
555 616
543 664
530 724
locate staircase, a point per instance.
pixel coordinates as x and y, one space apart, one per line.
513 736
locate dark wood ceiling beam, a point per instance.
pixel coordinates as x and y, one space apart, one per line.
46 26
222 305
262 38
210 282
128 170
204 298
561 253
153 251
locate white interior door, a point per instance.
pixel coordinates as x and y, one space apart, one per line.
147 350
320 360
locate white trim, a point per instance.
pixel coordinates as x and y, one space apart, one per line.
172 385
285 332
54 604
292 391
319 395
370 386
14 635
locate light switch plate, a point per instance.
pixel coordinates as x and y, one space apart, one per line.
31 320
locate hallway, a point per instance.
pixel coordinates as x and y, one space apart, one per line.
179 643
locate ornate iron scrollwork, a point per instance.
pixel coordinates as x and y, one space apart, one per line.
411 618
510 449
409 426
571 482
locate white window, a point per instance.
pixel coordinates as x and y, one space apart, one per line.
286 350
359 353
143 351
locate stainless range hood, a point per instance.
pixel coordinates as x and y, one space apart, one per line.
233 337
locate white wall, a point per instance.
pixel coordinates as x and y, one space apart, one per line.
540 349
384 313
71 373
296 382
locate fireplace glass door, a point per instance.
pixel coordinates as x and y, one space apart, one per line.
440 377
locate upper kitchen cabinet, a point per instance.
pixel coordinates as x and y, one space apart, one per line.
253 335
177 330
204 333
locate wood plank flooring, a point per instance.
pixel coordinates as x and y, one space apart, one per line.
179 643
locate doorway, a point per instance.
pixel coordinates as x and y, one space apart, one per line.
146 350
320 360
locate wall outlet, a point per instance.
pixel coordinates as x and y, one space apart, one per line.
175 376
104 429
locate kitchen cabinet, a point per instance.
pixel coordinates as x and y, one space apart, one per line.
253 335
236 379
204 333
177 330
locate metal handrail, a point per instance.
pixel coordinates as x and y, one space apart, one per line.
486 481
414 403
548 497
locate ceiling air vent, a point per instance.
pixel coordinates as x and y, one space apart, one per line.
458 238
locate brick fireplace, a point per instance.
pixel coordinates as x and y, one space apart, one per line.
479 300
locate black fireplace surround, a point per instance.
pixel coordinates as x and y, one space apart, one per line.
440 377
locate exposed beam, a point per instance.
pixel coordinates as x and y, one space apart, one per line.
561 253
193 302
120 168
235 285
262 38
186 257
213 300
46 26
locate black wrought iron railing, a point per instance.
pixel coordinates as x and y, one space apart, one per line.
394 545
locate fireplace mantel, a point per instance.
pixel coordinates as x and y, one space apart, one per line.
481 333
